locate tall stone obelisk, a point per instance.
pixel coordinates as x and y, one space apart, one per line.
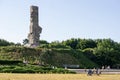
35 29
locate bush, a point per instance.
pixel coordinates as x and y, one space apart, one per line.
30 69
8 62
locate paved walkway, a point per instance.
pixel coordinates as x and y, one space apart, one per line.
104 71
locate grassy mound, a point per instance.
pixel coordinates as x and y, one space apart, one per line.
43 56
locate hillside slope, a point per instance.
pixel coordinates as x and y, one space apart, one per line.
52 57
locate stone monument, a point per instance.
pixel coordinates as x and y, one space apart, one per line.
35 29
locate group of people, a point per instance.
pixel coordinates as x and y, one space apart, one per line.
93 71
97 70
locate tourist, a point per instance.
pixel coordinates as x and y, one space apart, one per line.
90 72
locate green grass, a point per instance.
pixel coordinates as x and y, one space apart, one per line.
52 56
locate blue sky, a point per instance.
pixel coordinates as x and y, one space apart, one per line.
61 19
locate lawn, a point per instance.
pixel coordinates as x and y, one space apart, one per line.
10 76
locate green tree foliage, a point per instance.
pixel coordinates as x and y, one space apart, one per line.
57 44
86 43
107 52
88 52
80 43
72 43
99 51
44 44
5 43
25 41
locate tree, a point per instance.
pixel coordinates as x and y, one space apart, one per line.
88 52
107 52
71 42
25 41
43 42
57 44
87 43
5 43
